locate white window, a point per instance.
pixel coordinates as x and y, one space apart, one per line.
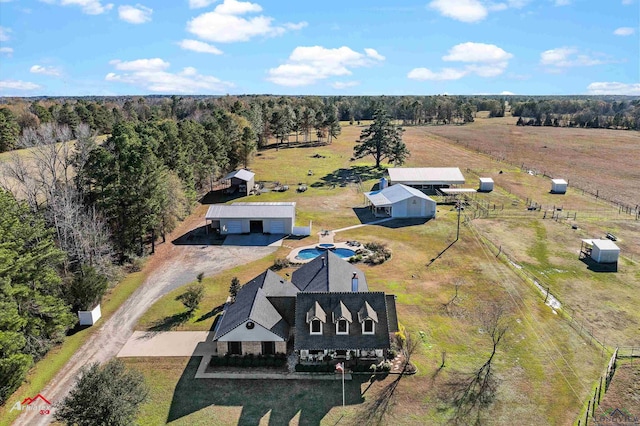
368 327
342 327
316 326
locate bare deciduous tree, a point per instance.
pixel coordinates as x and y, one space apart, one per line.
471 392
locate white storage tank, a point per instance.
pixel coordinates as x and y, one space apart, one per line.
383 183
558 186
486 185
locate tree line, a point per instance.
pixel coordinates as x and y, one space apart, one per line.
586 113
309 116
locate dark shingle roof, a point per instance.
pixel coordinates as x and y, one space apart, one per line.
392 315
367 312
328 273
316 312
252 303
354 302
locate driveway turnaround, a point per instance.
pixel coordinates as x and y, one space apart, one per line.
168 343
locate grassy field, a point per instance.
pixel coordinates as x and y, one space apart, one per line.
545 369
624 390
44 371
595 159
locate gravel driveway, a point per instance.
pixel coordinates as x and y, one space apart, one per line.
171 267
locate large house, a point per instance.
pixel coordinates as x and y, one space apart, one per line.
325 310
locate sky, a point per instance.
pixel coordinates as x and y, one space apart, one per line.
348 47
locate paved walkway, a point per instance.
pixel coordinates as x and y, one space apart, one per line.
168 343
375 222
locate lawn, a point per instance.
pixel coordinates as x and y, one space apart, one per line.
544 368
44 371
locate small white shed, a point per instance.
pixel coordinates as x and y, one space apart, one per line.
604 251
558 186
486 185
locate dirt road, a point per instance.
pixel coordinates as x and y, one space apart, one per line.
171 267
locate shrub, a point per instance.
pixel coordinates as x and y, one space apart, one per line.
280 263
192 296
392 353
385 366
373 367
379 253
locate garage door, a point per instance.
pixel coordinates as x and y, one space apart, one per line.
234 227
277 227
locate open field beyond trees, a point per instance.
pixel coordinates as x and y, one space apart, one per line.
598 160
546 370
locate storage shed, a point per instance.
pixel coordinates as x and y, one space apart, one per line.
558 186
486 185
241 181
602 251
427 179
401 201
244 218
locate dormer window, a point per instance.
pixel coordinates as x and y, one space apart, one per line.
342 327
368 327
316 326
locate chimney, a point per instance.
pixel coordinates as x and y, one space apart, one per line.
354 282
324 262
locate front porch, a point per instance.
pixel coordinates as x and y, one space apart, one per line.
352 356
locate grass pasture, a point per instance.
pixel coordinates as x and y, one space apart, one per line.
594 159
546 371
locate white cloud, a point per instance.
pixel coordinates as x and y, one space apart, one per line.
624 31
18 85
39 69
627 2
422 74
6 51
561 2
483 60
477 52
344 84
197 4
564 57
4 33
461 10
226 25
295 27
90 7
235 7
142 65
473 10
199 46
137 14
309 64
151 75
613 88
372 53
507 93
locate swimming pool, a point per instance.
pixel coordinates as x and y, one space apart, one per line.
312 253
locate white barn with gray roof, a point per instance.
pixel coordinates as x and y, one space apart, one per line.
401 201
243 218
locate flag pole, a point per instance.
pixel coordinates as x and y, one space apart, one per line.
343 385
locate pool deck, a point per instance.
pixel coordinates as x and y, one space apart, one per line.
292 256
